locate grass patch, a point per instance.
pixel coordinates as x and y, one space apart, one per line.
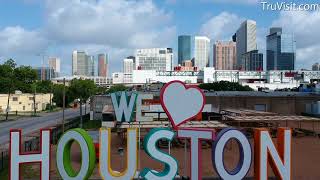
95 124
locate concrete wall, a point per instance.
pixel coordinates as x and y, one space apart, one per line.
24 102
281 105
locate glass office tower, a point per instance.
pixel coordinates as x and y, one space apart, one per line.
281 50
184 48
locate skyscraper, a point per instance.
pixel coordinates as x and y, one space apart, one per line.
316 67
201 52
82 64
252 61
224 55
103 65
281 50
159 59
54 63
185 48
246 40
128 65
91 66
45 73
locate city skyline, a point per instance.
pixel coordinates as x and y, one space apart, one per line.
23 37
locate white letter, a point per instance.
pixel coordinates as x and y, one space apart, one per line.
88 155
245 154
265 149
105 159
195 135
18 158
123 107
150 146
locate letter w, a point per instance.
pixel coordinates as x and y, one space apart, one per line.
122 106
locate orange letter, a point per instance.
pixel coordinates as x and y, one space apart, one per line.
265 151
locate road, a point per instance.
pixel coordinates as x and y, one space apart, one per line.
31 124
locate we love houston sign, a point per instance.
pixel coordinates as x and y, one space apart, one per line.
181 103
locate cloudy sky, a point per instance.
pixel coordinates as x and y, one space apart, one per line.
29 28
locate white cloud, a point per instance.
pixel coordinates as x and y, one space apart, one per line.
305 26
119 23
17 40
222 26
116 27
246 2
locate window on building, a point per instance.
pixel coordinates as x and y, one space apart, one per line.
30 98
14 98
260 107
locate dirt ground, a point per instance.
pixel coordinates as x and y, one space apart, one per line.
305 159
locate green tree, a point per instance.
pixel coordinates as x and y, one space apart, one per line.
11 63
24 77
116 88
44 86
58 95
7 76
81 90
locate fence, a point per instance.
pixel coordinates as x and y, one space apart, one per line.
32 143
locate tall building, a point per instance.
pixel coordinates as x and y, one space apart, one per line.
103 65
91 66
45 73
224 55
79 63
54 62
316 67
159 59
252 61
281 50
185 48
128 65
82 64
245 40
201 52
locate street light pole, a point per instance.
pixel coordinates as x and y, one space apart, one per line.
64 102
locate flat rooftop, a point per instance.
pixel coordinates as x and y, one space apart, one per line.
243 93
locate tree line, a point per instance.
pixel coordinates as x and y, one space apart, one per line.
25 79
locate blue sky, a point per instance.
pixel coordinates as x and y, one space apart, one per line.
56 27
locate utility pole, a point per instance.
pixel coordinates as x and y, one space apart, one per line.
51 97
34 100
80 113
8 103
64 102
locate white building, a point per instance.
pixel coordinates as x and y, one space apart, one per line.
255 79
152 76
98 80
159 59
128 66
117 78
54 63
246 38
82 64
201 52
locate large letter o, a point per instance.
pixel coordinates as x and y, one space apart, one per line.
244 164
87 155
